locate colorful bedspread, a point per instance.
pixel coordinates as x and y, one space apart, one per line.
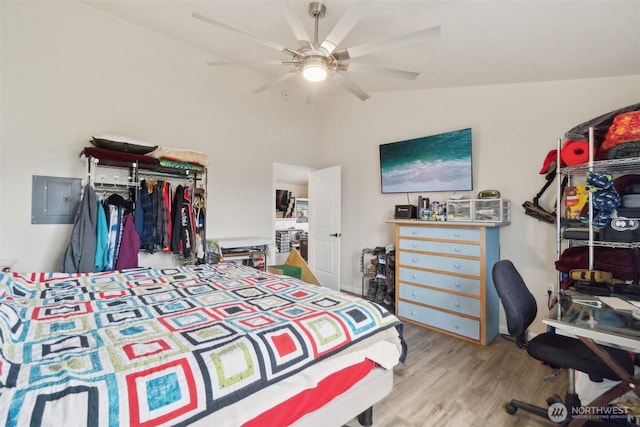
162 346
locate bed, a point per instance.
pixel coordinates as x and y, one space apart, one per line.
223 345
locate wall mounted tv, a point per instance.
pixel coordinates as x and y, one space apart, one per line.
432 163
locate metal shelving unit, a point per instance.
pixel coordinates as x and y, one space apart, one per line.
614 167
378 275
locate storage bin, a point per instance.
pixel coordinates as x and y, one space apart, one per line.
459 210
491 210
623 228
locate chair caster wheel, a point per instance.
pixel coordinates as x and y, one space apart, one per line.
510 409
550 401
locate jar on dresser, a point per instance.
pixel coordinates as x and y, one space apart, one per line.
443 275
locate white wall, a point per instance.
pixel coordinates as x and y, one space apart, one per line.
513 128
70 72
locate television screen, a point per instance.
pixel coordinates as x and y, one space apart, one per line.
432 163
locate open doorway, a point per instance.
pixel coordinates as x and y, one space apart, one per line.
291 207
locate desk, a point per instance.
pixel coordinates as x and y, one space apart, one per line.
247 250
603 325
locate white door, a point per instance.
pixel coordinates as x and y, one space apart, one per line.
324 225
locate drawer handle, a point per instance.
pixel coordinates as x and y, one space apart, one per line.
413 313
414 259
456 249
457 305
457 284
413 294
455 325
456 234
413 276
414 245
414 232
456 266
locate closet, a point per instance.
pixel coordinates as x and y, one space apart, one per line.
167 203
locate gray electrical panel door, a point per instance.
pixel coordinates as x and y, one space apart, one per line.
55 200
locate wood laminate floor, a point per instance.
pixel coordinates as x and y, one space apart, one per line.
449 382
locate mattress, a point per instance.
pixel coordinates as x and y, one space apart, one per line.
177 346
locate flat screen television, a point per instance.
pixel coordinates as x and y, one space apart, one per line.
432 163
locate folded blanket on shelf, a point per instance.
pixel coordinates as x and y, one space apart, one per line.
181 165
180 155
113 156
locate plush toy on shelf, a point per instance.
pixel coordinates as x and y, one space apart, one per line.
605 197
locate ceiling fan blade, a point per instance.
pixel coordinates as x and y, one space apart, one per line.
269 43
268 62
351 87
343 27
294 22
387 72
275 82
394 42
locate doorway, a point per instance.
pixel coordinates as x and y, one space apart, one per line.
323 191
290 226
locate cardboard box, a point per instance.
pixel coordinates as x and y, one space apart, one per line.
576 198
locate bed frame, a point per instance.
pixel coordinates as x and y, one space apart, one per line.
357 402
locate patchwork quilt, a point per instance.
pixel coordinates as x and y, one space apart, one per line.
169 346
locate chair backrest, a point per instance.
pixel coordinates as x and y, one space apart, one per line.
519 305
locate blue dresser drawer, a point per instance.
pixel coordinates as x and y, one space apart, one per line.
443 263
443 281
471 234
442 247
447 301
441 320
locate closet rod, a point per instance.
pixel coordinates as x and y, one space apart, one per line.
115 184
186 175
121 190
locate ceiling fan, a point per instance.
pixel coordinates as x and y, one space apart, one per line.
318 60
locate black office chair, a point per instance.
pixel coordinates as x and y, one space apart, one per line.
556 350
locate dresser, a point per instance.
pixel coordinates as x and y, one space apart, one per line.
443 276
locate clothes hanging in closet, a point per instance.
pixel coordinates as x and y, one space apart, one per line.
164 215
121 233
164 219
102 236
183 224
102 239
144 216
129 245
79 256
115 218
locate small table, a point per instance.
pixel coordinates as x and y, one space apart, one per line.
594 322
254 249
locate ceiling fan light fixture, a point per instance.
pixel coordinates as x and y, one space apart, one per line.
315 71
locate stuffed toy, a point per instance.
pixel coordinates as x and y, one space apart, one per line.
605 197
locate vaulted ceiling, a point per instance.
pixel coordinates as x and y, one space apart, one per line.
480 43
